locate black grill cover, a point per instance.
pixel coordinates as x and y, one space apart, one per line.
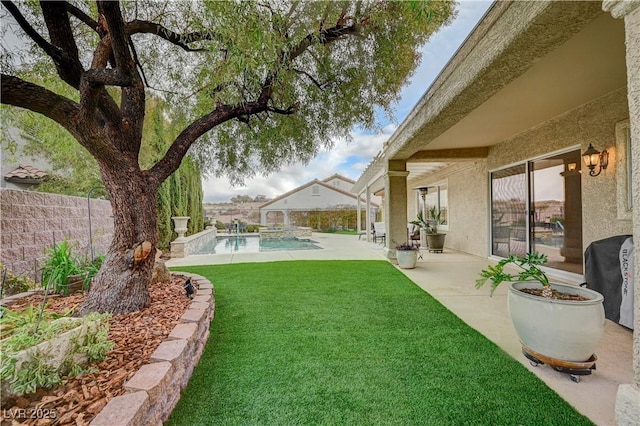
609 271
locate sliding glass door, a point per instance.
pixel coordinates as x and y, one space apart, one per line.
537 206
556 210
509 196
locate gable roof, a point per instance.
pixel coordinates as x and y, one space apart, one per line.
315 182
339 176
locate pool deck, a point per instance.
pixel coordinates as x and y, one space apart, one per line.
449 277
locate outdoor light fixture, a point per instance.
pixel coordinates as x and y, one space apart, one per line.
572 167
592 158
423 190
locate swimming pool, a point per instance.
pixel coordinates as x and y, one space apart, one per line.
255 244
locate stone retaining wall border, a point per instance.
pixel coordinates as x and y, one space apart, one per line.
153 392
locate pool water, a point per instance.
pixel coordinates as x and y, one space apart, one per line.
255 244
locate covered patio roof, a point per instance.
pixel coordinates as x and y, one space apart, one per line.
510 75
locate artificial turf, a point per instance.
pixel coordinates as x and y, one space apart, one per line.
351 343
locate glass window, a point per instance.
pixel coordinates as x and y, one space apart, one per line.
537 206
437 197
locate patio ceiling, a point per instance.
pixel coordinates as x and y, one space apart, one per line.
509 76
567 56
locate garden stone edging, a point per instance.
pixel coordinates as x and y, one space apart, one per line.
153 392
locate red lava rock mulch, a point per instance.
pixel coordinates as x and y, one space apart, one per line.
136 336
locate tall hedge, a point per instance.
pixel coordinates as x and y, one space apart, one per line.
181 193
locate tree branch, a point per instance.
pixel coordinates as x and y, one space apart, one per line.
182 40
61 35
289 111
21 93
178 149
133 97
57 54
89 21
319 85
115 26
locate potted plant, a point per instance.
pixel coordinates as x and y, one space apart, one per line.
435 240
560 321
406 255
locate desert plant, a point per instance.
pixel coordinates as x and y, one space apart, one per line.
528 265
431 225
436 219
422 223
58 266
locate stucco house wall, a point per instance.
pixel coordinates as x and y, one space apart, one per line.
468 183
592 123
306 199
468 205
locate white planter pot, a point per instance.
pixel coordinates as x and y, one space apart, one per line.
568 330
407 258
180 225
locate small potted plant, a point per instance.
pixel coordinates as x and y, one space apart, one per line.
560 321
406 255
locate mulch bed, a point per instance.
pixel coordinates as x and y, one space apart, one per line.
136 336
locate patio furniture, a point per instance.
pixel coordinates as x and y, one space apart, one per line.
379 232
365 232
501 235
413 231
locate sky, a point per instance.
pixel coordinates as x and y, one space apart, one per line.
351 158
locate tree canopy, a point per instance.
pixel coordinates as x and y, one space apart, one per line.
251 85
295 75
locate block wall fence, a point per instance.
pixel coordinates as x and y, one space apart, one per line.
32 222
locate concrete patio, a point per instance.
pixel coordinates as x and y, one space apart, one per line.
449 277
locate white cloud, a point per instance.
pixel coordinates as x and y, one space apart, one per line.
350 158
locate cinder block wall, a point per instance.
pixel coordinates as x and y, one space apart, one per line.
31 222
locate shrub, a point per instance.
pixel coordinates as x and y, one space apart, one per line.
14 284
22 374
58 266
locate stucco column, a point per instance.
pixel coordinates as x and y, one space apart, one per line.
395 205
263 217
287 221
367 221
358 214
572 244
628 397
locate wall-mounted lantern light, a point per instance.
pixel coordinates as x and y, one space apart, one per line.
592 158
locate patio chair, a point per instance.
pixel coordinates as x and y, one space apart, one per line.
365 232
414 234
379 232
501 235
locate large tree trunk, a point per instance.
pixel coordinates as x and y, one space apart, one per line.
121 286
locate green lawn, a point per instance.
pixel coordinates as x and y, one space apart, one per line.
351 343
